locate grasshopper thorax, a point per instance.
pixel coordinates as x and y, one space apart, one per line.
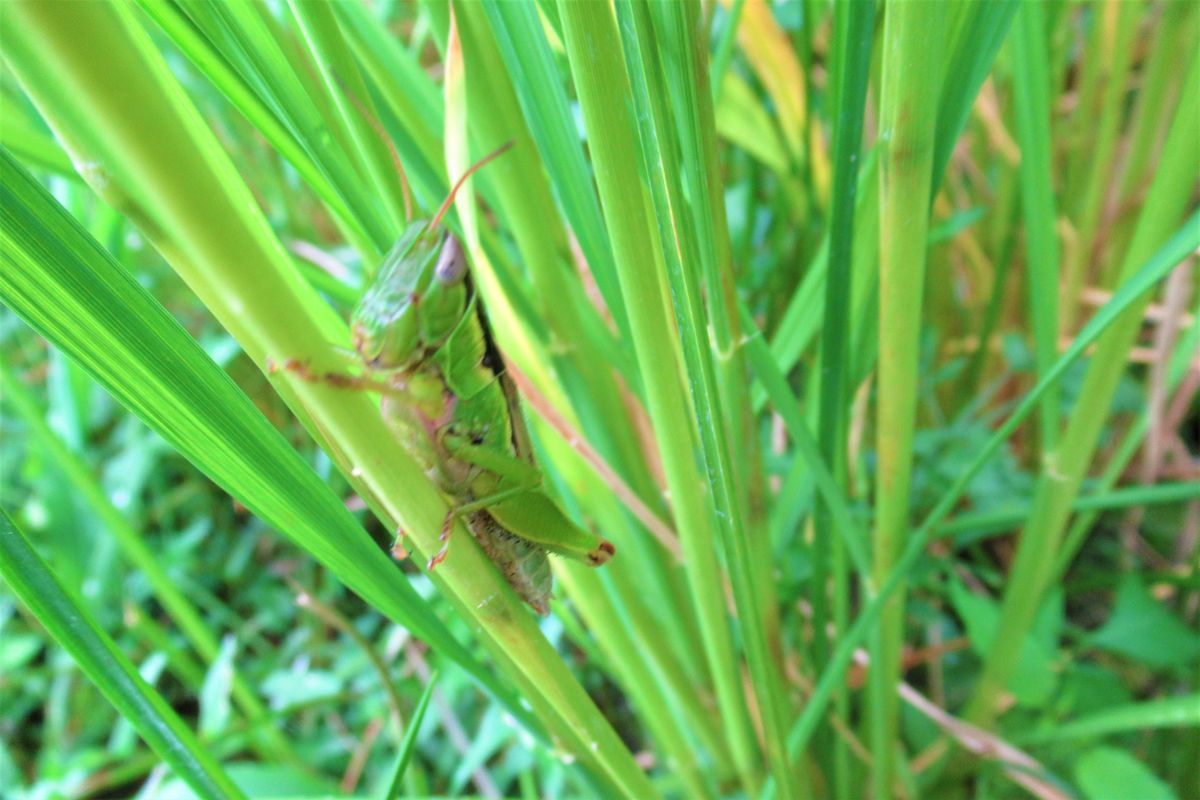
415 302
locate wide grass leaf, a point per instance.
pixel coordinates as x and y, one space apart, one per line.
1142 630
1106 773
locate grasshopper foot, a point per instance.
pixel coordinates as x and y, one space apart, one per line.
399 551
444 536
438 557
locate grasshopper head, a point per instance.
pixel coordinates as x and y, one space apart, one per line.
415 302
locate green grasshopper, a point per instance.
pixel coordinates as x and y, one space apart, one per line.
423 342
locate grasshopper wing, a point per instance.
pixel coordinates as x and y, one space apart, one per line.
534 517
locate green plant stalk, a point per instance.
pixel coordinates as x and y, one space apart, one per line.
723 53
979 33
912 69
71 291
602 86
1031 98
1130 294
210 230
165 590
525 198
1105 499
407 92
531 66
684 49
1101 150
802 318
107 667
695 172
1066 466
35 147
789 408
647 685
1180 711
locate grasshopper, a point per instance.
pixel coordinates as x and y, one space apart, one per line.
421 336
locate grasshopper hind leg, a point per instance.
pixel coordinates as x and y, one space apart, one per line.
524 565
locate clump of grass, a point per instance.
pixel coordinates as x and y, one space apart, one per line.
802 302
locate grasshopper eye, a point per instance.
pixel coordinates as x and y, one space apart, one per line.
452 263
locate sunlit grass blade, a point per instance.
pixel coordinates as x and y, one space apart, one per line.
538 86
200 51
107 667
696 253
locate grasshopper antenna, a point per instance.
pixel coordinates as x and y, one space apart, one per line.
377 126
499 151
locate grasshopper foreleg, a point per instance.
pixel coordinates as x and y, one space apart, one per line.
342 380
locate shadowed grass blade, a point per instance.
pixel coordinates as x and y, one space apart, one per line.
107 667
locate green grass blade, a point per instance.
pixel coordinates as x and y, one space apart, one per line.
854 28
208 225
974 526
1123 453
979 38
696 246
409 743
543 99
343 84
1171 712
1032 99
107 667
201 53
